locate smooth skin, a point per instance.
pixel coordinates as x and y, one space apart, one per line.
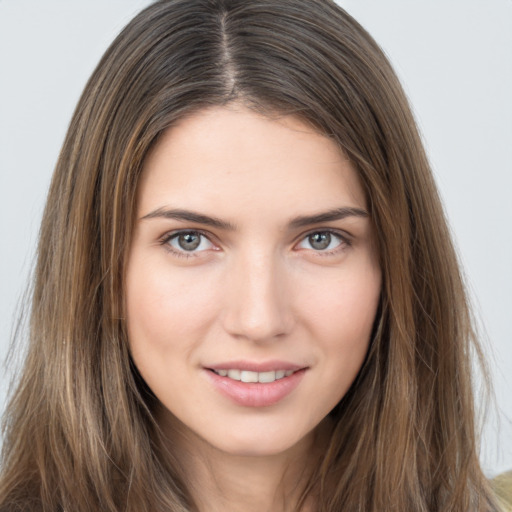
230 261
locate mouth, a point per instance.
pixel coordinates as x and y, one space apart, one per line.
252 384
251 376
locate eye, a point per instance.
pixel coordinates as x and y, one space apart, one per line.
324 241
188 242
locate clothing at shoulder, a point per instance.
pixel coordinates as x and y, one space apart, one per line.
502 486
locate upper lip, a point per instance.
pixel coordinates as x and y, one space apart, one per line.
256 366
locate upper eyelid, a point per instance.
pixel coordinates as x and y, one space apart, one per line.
182 253
345 242
175 232
342 234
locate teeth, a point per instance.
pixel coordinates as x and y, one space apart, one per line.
248 376
267 377
234 374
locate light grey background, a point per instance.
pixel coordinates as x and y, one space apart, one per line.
454 58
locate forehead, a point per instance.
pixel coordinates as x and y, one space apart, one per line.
232 159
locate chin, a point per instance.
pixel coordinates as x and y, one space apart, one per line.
260 443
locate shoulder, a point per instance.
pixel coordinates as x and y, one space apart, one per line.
502 485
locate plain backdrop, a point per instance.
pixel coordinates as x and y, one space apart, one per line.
454 58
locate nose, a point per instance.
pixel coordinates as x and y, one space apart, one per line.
258 305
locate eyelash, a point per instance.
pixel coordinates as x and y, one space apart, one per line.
343 238
345 242
175 234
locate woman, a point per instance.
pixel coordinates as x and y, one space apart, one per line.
246 295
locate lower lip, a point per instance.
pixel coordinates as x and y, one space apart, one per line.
256 394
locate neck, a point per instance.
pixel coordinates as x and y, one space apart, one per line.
225 482
245 484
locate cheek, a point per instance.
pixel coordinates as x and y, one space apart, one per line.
356 305
340 319
166 310
343 308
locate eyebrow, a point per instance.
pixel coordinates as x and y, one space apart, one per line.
297 222
190 216
328 216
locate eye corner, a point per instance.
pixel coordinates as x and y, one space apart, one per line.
188 243
328 242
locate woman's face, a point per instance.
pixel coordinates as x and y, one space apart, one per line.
253 280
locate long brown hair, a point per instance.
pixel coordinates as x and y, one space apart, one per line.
79 430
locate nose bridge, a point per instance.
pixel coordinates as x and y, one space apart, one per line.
257 306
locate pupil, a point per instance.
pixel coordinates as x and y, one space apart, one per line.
320 241
189 241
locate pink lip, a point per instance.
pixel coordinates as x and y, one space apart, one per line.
253 366
256 394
